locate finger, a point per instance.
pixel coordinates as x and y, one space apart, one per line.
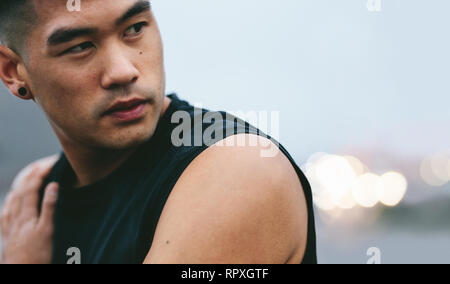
29 207
48 206
42 166
10 212
46 164
5 217
21 176
28 187
5 207
16 203
30 196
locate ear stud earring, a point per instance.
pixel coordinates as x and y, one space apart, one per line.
23 92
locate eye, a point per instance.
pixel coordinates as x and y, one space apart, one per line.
79 48
135 29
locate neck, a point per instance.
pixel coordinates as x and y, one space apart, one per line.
93 164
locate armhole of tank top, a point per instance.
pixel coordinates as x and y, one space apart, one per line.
310 256
153 209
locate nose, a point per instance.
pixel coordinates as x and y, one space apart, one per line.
118 70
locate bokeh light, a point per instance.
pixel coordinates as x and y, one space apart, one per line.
391 188
345 183
335 175
358 167
434 170
365 190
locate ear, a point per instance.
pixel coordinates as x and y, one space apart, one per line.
10 63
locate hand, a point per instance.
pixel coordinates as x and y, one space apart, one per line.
27 237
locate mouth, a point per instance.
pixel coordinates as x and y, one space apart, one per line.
127 110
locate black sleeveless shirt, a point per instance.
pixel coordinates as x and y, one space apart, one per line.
114 219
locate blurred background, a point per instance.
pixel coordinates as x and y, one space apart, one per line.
361 87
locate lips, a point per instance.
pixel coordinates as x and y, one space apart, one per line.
124 106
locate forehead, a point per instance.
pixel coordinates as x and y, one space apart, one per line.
54 14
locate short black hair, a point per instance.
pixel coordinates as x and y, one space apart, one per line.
16 19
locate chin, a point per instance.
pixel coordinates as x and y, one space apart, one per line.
131 138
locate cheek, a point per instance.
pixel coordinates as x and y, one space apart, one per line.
65 111
63 87
151 67
151 53
65 100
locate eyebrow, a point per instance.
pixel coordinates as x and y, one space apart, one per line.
63 35
137 8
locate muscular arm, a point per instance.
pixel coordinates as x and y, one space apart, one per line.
231 206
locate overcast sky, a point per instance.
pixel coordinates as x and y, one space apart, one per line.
338 73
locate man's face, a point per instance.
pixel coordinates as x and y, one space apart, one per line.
81 63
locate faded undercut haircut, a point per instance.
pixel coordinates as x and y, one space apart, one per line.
16 19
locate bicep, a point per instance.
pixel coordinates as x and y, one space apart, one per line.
228 213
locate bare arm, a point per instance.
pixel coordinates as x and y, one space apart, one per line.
233 207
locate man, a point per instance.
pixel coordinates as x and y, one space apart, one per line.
125 190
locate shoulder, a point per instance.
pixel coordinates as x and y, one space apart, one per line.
234 205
